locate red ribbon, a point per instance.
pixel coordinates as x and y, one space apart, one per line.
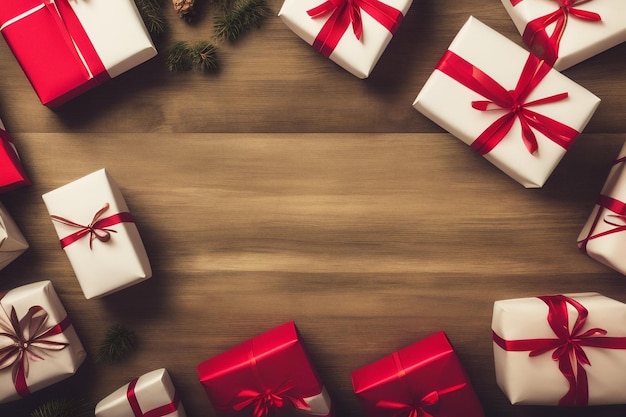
512 101
97 229
12 173
419 408
343 13
567 347
536 36
156 412
27 336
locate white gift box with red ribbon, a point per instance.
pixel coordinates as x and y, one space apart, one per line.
45 347
561 105
604 235
567 32
152 394
12 242
98 234
357 55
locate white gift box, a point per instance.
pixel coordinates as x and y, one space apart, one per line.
581 39
537 380
12 242
114 29
102 267
603 237
449 104
356 56
150 391
55 365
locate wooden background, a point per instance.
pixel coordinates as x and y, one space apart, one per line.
283 188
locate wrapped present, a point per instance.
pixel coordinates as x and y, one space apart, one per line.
98 234
38 344
512 108
561 349
266 374
352 33
602 237
424 379
67 47
12 242
566 32
152 394
12 174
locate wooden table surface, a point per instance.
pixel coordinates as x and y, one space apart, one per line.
283 188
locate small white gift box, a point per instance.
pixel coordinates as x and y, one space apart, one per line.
67 47
323 28
12 242
551 109
561 349
98 234
604 235
150 394
564 34
39 344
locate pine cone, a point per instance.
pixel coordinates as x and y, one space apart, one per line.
184 8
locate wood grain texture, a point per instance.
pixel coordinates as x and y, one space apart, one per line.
283 188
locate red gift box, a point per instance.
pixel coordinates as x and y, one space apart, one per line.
12 174
425 379
270 374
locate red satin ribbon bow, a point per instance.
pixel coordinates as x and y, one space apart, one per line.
28 341
567 348
535 34
97 229
412 410
347 12
512 101
264 402
156 412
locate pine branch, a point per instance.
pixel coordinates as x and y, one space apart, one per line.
118 343
204 56
240 16
179 57
60 407
151 12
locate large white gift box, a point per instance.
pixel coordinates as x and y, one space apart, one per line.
67 47
325 25
565 32
98 234
561 349
151 394
38 344
550 109
12 242
604 235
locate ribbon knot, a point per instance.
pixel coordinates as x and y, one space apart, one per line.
97 229
28 340
264 402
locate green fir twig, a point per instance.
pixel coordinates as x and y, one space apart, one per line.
183 56
240 16
151 12
61 407
118 343
179 57
204 56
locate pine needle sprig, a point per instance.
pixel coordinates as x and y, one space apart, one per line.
183 56
151 12
204 56
239 17
179 57
61 407
118 343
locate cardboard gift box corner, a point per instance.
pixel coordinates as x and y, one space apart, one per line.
566 350
98 234
152 394
271 370
67 47
565 36
323 28
34 321
555 110
425 378
12 242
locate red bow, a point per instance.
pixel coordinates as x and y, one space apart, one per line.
156 412
270 399
512 101
28 342
97 229
347 12
567 347
535 34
